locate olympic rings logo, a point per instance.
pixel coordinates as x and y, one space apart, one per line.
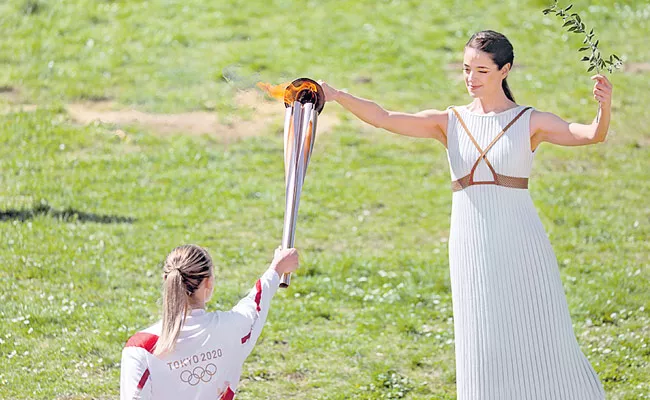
199 374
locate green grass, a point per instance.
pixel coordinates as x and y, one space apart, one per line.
87 217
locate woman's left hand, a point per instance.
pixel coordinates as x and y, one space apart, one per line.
603 90
331 94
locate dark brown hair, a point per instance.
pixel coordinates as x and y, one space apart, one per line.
499 48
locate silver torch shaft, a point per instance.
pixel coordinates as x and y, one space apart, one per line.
304 100
292 144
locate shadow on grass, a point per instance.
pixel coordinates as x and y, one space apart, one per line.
68 214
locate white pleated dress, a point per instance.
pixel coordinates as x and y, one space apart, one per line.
514 337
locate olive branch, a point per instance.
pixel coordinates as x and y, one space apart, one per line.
575 25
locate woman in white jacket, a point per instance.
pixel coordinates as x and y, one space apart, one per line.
191 353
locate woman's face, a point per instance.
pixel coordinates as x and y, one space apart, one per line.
482 76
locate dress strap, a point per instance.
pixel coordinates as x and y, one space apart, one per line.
462 123
511 123
496 139
498 179
478 147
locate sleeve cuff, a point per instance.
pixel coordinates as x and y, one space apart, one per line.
272 276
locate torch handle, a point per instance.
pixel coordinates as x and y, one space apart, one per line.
290 211
285 281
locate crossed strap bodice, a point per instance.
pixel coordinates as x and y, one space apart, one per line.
498 179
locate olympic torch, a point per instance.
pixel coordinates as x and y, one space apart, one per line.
304 100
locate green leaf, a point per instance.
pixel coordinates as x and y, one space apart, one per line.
578 19
584 48
596 44
591 68
567 23
569 7
616 57
585 58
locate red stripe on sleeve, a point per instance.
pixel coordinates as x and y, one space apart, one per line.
228 394
245 338
258 299
143 340
143 380
258 295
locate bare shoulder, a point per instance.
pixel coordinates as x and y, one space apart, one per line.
541 115
434 113
438 117
539 120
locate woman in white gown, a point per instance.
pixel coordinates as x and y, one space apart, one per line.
514 338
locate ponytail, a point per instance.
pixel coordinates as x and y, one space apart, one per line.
174 309
506 90
184 270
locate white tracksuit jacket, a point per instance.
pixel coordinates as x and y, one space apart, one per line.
209 354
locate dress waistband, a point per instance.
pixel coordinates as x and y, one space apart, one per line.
499 180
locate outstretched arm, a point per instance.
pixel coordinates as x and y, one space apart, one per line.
424 124
548 127
249 315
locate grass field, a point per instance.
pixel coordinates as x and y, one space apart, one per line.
88 212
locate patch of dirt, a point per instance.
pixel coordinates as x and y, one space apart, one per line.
264 113
296 376
18 108
106 112
13 101
455 71
9 94
637 68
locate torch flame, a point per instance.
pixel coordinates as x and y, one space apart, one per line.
275 91
303 90
300 90
287 91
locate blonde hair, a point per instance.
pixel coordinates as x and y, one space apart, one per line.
184 270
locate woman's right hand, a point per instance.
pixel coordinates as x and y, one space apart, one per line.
285 261
331 94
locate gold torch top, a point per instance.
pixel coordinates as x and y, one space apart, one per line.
303 90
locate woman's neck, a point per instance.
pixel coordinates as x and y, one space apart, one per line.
196 304
487 105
